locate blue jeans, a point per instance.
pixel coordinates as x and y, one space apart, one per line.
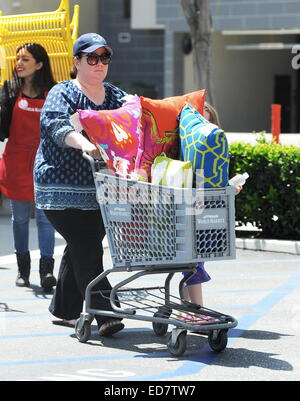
20 222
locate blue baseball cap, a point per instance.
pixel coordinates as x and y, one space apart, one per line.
89 42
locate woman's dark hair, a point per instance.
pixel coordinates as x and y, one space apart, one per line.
73 72
42 82
43 79
214 117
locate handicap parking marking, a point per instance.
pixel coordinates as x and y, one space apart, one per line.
195 361
91 374
62 369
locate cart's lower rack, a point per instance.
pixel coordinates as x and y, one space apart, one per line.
166 309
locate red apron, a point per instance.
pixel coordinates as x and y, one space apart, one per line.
16 165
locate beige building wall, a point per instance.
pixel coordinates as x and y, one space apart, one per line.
243 81
89 10
143 14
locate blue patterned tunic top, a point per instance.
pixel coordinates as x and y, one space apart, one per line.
62 177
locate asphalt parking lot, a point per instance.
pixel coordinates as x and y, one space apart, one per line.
260 289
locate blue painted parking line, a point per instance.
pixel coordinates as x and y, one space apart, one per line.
33 335
25 315
205 357
8 300
279 293
33 299
197 360
65 360
66 333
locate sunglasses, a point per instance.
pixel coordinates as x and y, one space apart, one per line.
93 58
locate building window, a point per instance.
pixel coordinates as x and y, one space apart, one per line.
127 9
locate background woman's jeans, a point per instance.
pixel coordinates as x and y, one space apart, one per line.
20 221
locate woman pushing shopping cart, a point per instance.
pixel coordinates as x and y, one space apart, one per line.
161 230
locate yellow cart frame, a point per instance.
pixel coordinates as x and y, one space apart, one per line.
53 30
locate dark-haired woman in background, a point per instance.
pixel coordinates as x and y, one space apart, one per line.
21 101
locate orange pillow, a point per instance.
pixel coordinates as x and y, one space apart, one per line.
160 124
166 111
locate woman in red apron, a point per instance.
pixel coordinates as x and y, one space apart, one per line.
21 102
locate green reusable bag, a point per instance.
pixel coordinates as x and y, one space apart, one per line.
172 173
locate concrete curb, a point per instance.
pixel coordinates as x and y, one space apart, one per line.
269 245
251 137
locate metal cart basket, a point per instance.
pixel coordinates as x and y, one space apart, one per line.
162 230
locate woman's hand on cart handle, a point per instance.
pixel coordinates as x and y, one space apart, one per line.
92 151
78 141
96 165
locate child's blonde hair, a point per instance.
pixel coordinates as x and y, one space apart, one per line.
214 118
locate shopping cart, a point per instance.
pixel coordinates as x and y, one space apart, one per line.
154 230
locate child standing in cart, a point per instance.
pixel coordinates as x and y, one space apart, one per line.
64 185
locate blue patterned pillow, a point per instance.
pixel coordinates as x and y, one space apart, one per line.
205 145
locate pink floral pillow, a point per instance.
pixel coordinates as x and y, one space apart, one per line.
116 133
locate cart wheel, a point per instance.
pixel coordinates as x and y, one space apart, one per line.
218 340
160 329
83 333
177 347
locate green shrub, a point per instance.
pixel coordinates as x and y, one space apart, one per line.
270 199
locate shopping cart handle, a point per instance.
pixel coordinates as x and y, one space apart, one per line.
96 164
